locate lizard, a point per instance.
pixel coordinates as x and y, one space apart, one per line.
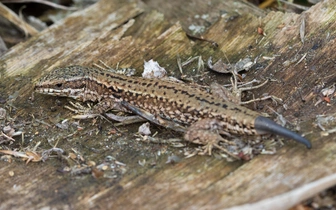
204 118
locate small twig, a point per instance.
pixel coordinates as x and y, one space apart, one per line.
213 43
8 137
42 122
301 59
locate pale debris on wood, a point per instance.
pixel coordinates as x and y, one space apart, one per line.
7 133
3 113
302 29
328 91
173 159
325 120
144 129
153 70
221 67
142 162
325 94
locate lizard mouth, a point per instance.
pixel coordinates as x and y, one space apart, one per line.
76 93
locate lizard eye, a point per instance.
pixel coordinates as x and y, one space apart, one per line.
59 85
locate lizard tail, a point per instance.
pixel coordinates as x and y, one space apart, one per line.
265 125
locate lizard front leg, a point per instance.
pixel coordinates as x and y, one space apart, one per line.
101 108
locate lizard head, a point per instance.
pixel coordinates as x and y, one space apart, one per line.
64 81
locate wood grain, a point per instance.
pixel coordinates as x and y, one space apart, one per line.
128 33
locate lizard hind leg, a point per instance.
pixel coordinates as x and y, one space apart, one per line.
206 132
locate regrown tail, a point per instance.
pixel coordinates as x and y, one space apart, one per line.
265 125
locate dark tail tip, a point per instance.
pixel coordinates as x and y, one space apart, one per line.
265 125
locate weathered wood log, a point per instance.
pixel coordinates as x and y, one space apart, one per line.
128 33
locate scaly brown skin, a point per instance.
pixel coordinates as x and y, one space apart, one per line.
162 101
